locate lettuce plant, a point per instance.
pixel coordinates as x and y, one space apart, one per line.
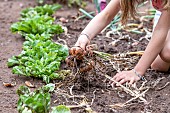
39 58
38 101
37 25
39 10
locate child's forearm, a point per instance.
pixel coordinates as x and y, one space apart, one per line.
101 20
96 25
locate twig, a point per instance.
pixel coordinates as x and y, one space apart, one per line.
94 96
62 40
71 89
136 53
157 82
163 86
142 86
75 106
82 104
137 96
69 96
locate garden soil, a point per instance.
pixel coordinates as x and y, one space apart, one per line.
91 88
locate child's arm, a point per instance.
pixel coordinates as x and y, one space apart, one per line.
153 49
156 43
98 23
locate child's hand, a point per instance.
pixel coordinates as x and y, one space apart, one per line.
80 46
79 50
126 76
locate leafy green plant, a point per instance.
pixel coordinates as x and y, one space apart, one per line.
36 25
34 102
60 109
38 101
39 10
39 58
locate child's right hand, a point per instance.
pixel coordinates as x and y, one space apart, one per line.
80 47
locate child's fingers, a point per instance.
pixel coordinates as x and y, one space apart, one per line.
122 81
131 82
89 47
119 76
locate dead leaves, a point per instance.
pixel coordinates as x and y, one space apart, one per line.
27 83
7 84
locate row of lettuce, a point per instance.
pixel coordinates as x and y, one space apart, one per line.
40 57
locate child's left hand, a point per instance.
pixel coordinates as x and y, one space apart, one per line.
126 76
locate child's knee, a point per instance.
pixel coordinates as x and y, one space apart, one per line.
156 66
165 55
160 65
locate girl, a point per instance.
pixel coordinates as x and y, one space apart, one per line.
157 53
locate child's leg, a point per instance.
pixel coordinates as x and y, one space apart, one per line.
162 62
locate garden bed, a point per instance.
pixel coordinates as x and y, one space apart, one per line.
90 89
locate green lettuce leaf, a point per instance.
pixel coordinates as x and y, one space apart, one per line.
39 10
40 58
61 109
37 25
34 102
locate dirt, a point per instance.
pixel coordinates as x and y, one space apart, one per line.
93 85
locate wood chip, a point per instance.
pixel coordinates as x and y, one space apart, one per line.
29 84
63 20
